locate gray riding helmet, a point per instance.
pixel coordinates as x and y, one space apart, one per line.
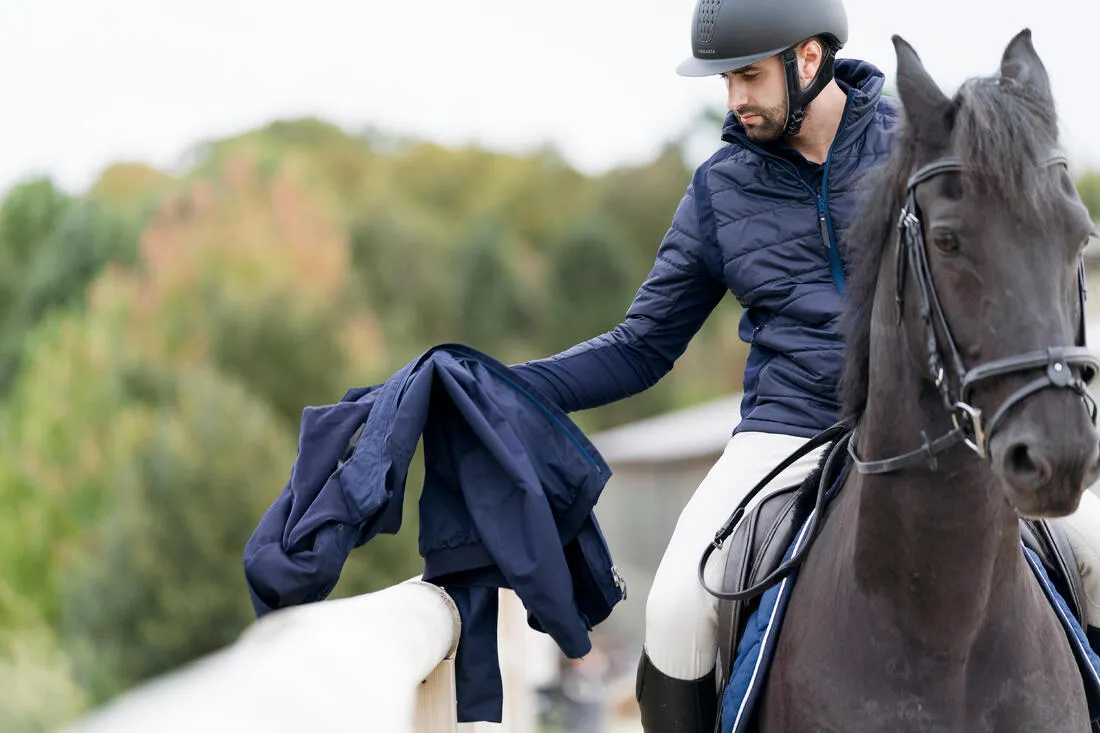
727 35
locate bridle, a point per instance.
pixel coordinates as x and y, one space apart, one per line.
969 424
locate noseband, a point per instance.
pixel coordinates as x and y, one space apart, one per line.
970 426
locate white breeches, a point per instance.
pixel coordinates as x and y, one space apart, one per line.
681 635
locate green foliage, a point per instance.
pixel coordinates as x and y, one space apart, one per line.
38 691
326 158
69 252
640 201
57 471
491 307
288 359
1088 186
157 581
590 281
28 216
250 275
395 264
134 188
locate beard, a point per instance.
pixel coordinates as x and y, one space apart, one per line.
768 127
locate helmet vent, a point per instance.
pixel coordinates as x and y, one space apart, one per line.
708 14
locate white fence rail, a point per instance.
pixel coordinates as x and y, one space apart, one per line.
377 662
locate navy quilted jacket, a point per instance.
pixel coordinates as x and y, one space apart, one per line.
768 226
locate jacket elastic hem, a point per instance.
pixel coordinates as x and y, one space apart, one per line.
756 425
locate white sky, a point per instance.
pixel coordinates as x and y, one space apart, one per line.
89 82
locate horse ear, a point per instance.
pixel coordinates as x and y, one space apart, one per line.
1021 63
925 103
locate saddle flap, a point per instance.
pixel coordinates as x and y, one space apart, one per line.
756 548
1048 540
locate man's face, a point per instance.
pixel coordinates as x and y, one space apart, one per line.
758 96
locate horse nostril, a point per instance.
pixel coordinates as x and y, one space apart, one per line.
1024 467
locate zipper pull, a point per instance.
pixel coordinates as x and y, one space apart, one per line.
620 581
824 229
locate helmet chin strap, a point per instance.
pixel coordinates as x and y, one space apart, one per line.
797 97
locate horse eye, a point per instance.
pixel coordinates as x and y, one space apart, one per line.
945 240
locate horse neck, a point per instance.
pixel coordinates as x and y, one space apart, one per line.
940 547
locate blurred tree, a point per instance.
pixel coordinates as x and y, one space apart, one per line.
1088 186
396 265
641 201
57 461
131 187
38 691
28 215
253 276
590 282
158 581
83 238
491 312
199 361
330 161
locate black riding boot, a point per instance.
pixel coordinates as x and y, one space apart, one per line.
670 705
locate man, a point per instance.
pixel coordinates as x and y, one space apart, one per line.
764 218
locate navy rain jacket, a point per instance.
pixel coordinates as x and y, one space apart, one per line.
510 484
768 226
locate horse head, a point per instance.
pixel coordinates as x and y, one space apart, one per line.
985 283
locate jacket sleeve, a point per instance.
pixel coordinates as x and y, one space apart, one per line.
671 306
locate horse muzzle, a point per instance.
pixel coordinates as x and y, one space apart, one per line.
1047 453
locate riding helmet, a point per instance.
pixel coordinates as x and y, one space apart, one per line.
727 35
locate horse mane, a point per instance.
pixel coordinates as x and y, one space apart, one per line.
1000 130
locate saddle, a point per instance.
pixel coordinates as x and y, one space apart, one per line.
758 544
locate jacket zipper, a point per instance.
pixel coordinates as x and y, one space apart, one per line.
824 224
827 228
756 330
620 581
821 200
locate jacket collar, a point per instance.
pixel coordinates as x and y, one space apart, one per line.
861 80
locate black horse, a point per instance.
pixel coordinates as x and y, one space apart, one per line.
917 609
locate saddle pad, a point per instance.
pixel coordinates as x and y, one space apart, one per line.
757 646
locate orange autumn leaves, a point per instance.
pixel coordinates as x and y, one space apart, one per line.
239 244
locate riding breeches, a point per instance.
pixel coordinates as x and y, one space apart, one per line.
681 636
